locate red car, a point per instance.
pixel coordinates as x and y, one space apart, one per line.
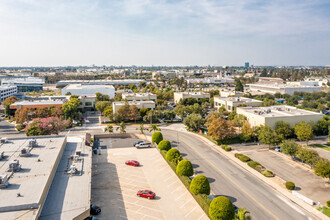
132 163
146 194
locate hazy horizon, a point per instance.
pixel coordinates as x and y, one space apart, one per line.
37 33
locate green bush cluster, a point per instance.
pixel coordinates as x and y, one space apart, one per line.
242 157
226 147
173 155
255 165
267 173
157 137
221 208
200 185
185 168
328 203
290 185
165 145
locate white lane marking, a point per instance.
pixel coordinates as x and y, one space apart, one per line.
190 211
291 205
180 196
185 203
202 216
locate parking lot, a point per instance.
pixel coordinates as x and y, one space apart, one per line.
114 184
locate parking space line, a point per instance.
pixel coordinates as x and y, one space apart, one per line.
185 203
178 188
169 178
190 211
180 196
173 183
202 216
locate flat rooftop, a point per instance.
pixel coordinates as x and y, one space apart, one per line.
70 195
137 94
278 111
33 180
82 86
134 102
280 85
40 102
236 99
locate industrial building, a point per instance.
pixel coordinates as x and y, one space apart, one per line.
230 93
86 90
231 103
257 116
26 84
139 104
282 88
131 96
7 91
184 95
219 79
121 82
34 104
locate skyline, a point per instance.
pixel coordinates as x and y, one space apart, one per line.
164 33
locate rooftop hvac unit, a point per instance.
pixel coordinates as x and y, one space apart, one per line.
4 140
73 170
33 143
2 155
25 152
78 152
4 181
14 166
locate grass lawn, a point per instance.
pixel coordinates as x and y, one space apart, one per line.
324 210
321 146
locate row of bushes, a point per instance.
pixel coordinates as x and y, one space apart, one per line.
255 165
220 207
226 147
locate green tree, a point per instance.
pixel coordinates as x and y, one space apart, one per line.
322 168
238 85
185 168
154 128
70 108
218 128
108 112
289 147
304 131
308 156
239 120
122 128
101 106
169 115
157 137
180 110
173 155
221 208
268 136
164 145
68 93
109 129
200 185
242 214
142 128
232 115
247 131
193 122
284 129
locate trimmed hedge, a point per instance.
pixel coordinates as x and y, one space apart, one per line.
164 145
200 185
290 185
221 208
242 157
267 173
226 147
173 155
328 203
156 137
255 165
185 168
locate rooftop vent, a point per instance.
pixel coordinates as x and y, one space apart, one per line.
33 143
14 166
4 181
73 170
2 155
4 140
25 152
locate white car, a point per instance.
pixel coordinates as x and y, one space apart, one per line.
143 144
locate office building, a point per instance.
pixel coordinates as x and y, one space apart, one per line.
120 82
231 103
26 84
139 104
7 91
131 96
86 90
184 95
257 116
230 93
34 104
246 64
282 88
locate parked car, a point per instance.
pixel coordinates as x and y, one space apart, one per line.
143 144
95 210
146 194
132 163
136 143
278 149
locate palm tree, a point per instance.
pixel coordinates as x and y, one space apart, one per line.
142 128
109 129
242 214
121 127
154 128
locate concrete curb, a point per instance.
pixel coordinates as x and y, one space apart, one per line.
261 177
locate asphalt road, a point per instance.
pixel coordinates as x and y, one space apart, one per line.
227 179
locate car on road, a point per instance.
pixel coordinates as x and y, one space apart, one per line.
278 149
95 210
143 144
146 194
3 115
132 163
136 143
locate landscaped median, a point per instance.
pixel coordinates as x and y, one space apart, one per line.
199 186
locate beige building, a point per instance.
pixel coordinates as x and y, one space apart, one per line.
231 103
139 104
130 96
230 93
271 115
282 88
87 102
184 95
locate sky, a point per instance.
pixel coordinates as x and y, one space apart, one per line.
164 32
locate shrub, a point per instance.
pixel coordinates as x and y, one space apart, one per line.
226 147
173 155
267 173
242 157
255 165
157 137
200 185
328 203
221 208
290 185
164 145
185 168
